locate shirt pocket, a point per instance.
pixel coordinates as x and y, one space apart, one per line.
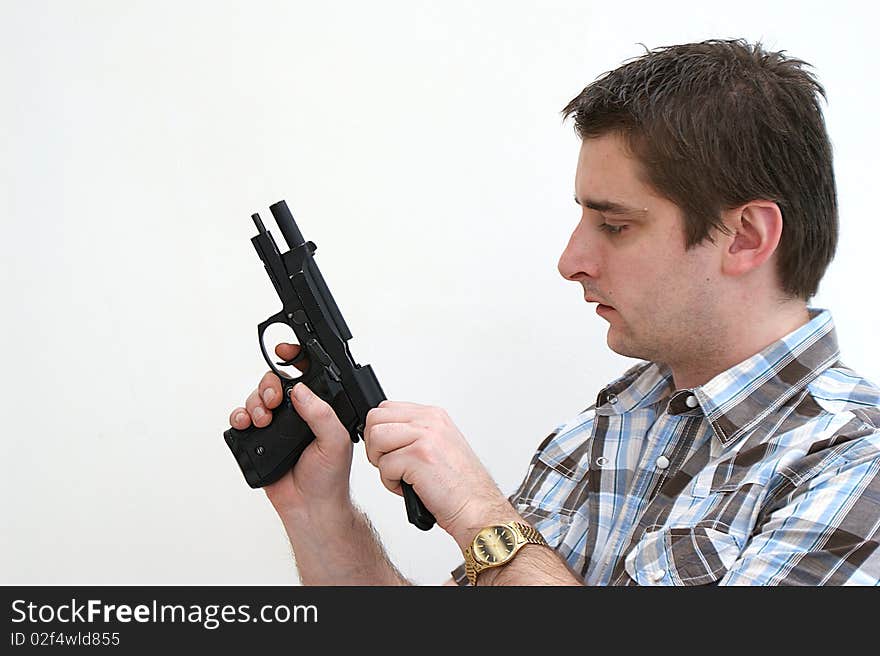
711 482
693 555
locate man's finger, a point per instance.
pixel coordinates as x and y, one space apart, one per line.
269 390
287 352
239 419
386 438
260 414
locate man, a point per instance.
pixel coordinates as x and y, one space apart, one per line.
740 451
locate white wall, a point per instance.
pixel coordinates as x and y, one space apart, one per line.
419 145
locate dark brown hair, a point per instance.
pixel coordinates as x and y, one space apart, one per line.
720 123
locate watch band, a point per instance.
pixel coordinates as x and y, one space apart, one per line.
531 534
525 533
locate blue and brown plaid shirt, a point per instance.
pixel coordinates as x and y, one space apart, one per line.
768 474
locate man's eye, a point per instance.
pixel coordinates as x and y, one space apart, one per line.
611 229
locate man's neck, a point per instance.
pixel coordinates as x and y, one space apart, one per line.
744 337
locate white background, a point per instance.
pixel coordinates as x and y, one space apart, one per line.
419 145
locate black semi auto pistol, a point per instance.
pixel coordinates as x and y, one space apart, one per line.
266 454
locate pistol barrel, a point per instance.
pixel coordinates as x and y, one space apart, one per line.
285 221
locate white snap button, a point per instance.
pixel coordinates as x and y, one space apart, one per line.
691 401
601 461
656 577
612 398
662 462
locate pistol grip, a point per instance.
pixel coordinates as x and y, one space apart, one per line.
416 512
266 454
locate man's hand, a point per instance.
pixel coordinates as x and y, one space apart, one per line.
319 481
417 443
421 445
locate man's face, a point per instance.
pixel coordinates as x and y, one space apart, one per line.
628 253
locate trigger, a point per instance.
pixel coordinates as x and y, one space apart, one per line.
299 358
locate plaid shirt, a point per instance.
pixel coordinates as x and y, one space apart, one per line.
765 475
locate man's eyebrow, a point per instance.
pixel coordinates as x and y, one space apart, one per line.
609 207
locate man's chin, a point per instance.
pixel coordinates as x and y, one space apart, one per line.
622 346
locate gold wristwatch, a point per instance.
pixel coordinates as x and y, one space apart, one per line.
496 545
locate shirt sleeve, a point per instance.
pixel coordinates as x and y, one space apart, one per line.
820 530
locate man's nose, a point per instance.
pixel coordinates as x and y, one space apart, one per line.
579 259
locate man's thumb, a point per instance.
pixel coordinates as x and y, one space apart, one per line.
302 394
318 414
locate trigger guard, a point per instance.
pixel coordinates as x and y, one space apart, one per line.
280 318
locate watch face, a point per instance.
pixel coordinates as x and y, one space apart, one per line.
493 544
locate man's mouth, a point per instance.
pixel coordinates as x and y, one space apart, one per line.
601 309
589 299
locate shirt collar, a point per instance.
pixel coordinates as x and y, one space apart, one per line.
643 385
737 399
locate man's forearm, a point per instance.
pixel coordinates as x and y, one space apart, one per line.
533 565
339 548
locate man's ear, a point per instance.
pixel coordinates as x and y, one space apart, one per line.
755 230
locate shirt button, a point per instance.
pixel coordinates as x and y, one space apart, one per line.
662 462
691 401
656 577
612 398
